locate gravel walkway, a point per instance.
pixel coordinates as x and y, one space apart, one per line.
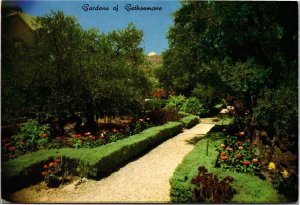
143 180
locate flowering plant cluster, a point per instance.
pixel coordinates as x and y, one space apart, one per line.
238 153
32 136
87 140
53 173
137 125
283 179
208 188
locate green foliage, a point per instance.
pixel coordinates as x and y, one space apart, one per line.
154 104
73 70
277 113
238 154
208 188
31 137
249 188
92 162
193 106
53 173
137 126
176 101
190 121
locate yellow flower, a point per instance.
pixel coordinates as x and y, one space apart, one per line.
271 165
285 174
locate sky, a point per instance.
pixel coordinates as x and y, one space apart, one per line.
155 24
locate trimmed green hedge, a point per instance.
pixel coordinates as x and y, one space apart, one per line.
250 189
190 121
92 162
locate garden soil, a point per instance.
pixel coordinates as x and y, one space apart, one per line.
143 180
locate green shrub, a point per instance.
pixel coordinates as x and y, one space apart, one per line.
154 104
249 188
208 188
193 106
176 101
92 162
189 121
31 137
159 117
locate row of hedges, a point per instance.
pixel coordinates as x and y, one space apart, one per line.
93 163
189 120
249 188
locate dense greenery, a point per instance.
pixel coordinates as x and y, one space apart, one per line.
245 53
73 70
249 188
89 162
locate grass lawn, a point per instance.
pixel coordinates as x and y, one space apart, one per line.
249 188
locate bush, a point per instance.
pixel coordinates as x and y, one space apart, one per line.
238 154
176 102
249 188
208 188
31 137
193 106
159 117
189 121
92 163
154 104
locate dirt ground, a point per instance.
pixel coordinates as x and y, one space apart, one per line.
143 180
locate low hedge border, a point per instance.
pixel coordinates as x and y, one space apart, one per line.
189 121
92 162
250 188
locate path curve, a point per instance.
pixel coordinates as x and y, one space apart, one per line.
143 180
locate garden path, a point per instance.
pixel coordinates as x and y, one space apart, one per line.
143 180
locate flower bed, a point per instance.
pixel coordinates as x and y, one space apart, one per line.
249 188
89 162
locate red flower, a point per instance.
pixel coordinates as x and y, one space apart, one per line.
224 130
78 135
246 162
241 134
57 160
223 154
81 141
43 173
21 143
115 130
239 155
239 142
223 157
254 143
87 133
12 148
44 135
45 166
92 137
248 140
228 149
54 164
50 164
58 138
255 160
240 148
